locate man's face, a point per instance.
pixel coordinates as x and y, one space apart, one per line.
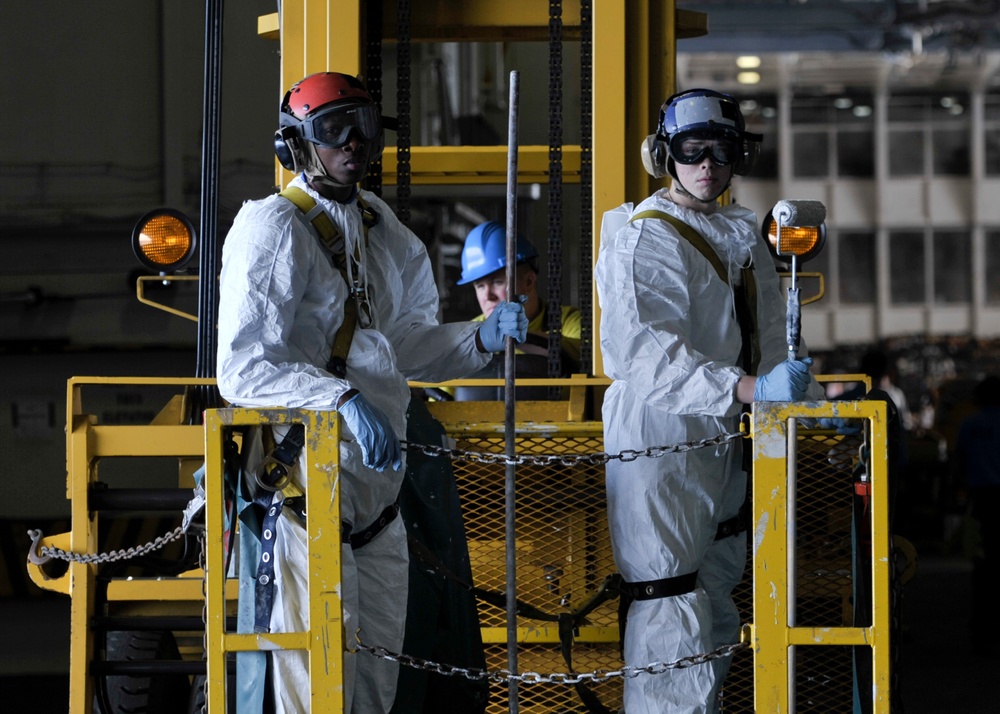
704 179
492 289
345 164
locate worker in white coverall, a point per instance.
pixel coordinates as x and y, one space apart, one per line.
282 301
683 370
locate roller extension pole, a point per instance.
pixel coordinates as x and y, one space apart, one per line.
509 396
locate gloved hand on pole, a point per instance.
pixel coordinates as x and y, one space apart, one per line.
506 320
376 437
787 382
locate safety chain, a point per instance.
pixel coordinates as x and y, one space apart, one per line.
373 82
503 675
46 552
596 459
203 564
404 110
555 248
586 185
39 554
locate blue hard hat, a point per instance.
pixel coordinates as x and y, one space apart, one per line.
485 251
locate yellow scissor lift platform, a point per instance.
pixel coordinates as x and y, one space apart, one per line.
563 548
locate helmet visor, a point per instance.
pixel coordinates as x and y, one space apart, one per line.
691 147
333 127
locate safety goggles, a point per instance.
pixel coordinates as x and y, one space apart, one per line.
691 147
333 128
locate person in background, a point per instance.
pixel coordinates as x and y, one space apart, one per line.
882 372
692 331
977 458
484 265
291 279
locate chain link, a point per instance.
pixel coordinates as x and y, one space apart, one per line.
594 459
39 554
570 678
46 551
203 563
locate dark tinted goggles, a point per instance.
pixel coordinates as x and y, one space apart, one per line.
693 147
333 127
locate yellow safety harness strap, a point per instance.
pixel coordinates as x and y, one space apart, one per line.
748 322
334 242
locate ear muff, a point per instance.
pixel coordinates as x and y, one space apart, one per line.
654 156
286 148
748 156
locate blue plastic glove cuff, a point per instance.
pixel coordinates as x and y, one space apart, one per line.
373 430
787 382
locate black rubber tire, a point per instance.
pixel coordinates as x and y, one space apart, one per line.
197 700
162 694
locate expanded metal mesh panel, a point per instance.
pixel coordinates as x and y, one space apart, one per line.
823 678
823 542
824 580
563 546
564 554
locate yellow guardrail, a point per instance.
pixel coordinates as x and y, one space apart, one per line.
778 632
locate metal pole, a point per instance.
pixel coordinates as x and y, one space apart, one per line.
208 305
206 397
791 522
509 396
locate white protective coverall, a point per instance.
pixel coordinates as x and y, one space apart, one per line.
281 302
671 342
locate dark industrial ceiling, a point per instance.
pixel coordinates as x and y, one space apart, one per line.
848 25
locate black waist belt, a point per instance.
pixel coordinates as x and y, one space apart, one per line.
730 527
365 536
362 537
665 587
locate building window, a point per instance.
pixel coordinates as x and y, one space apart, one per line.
856 153
906 268
906 152
856 268
840 128
942 119
810 154
992 113
951 152
952 267
992 266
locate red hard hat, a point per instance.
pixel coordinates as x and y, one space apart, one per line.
317 90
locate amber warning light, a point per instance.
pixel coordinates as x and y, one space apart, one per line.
163 240
795 230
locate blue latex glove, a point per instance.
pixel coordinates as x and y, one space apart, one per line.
506 320
787 382
378 442
842 426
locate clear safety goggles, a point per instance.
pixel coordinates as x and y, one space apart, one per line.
691 147
333 128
